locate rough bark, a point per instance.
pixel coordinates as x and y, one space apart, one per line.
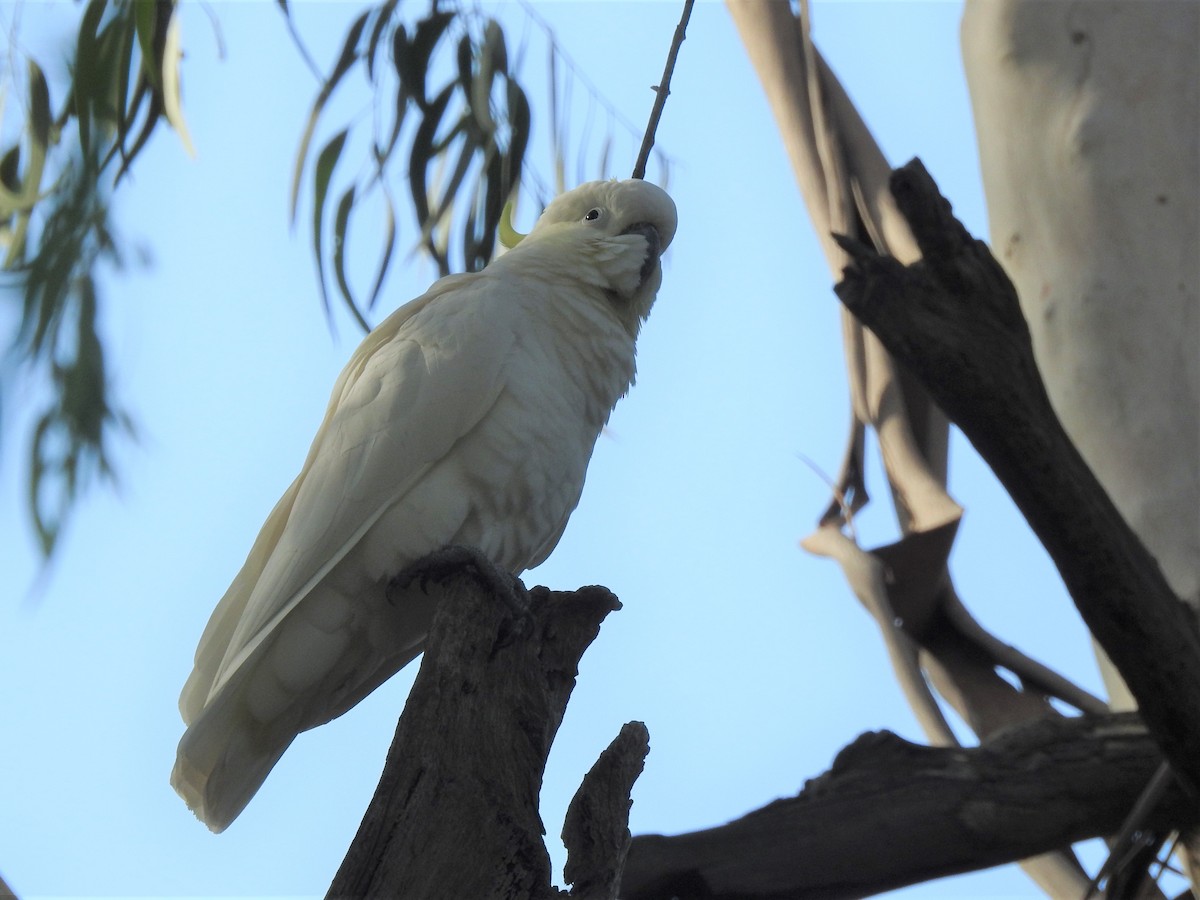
926 812
456 811
596 831
954 321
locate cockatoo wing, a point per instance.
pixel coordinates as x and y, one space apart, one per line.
418 383
219 630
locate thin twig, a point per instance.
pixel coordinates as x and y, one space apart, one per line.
664 90
300 45
576 70
839 496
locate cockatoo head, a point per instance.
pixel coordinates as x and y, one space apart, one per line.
610 234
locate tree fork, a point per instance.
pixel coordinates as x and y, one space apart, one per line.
455 814
954 321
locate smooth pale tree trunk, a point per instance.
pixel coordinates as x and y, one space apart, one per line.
1088 119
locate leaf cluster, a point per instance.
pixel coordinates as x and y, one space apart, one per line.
55 178
447 113
446 118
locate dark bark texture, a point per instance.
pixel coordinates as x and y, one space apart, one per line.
456 811
890 813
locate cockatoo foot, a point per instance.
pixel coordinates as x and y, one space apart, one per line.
456 560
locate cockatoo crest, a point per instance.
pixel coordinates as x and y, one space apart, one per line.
610 234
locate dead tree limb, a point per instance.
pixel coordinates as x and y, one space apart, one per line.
953 321
456 811
596 831
925 812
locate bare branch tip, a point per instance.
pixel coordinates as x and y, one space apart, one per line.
662 91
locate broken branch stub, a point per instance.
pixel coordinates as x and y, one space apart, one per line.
456 810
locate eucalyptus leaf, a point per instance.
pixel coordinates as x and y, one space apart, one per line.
326 162
340 226
145 18
389 247
345 61
172 101
383 17
88 72
422 154
412 60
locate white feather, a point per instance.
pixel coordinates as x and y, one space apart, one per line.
467 417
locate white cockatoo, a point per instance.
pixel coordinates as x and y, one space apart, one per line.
466 418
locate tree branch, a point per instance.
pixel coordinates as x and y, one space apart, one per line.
596 831
663 91
926 813
456 810
953 320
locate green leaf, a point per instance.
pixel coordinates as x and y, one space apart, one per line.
412 58
400 52
341 223
465 57
11 201
470 240
326 161
45 527
389 247
38 141
465 157
39 122
422 154
145 15
383 153
84 381
10 167
494 50
520 120
154 110
122 41
493 59
496 188
343 65
88 72
382 17
105 86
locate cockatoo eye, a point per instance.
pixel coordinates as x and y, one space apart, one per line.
593 214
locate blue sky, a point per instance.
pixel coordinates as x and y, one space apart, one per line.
750 661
